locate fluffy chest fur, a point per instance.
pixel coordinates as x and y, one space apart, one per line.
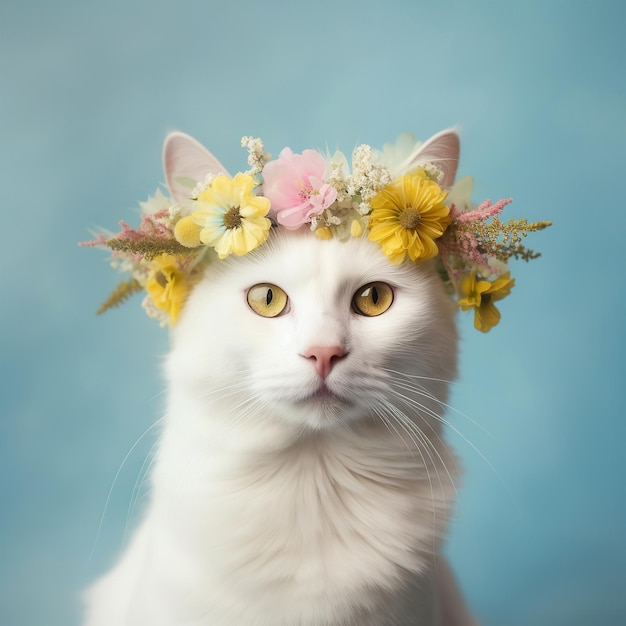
320 532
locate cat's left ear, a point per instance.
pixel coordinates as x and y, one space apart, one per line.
185 163
443 150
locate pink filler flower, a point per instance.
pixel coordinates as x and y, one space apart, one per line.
294 185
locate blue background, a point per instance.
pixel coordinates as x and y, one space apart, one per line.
88 92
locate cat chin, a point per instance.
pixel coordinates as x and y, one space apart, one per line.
320 411
324 396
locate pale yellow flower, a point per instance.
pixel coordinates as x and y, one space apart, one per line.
407 216
231 217
167 285
187 232
480 295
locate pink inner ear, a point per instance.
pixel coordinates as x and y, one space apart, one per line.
443 150
185 160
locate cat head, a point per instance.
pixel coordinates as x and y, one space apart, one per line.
402 199
320 328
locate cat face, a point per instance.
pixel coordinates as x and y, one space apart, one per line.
316 334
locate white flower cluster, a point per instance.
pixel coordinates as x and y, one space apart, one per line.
368 176
153 312
354 190
203 184
432 171
175 212
257 157
338 177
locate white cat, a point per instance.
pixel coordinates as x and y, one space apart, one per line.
302 478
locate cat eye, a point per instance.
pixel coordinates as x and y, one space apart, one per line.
372 299
267 300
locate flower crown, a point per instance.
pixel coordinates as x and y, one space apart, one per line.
402 198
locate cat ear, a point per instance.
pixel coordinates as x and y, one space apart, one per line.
185 163
443 150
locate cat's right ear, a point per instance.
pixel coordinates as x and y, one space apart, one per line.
443 150
185 163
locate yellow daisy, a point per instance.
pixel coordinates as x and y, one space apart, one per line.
231 217
407 216
480 295
167 285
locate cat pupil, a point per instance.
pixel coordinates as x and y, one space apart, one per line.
268 297
374 295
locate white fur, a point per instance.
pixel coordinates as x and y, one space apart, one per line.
272 506
267 510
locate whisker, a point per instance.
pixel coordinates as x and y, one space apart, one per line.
425 440
117 475
420 377
414 432
141 476
425 393
240 384
442 420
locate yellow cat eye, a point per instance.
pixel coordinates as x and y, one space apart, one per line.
267 300
372 299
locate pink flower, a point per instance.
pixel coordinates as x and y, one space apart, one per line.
482 212
294 185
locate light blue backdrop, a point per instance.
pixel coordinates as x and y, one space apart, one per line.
88 91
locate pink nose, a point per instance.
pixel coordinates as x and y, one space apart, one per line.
324 357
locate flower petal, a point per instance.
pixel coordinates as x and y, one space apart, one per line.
486 317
